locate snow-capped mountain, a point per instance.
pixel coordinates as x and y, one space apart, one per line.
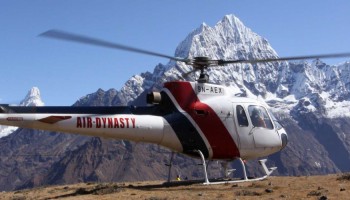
317 87
32 99
228 39
278 83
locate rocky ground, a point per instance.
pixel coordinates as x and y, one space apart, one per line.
303 187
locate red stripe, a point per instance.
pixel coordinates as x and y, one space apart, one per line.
219 138
54 119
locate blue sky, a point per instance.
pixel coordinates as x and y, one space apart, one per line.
64 72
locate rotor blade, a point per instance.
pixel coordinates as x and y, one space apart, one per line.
336 55
61 35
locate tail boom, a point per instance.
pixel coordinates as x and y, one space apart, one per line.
138 128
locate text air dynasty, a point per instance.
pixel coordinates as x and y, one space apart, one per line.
106 122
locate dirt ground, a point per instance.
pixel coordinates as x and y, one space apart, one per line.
304 187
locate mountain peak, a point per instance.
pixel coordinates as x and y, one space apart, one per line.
203 27
228 39
33 98
231 19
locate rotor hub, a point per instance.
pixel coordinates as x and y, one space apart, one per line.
202 63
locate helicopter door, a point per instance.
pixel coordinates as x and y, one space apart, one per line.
246 140
263 132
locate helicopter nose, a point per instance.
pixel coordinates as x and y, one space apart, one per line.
284 139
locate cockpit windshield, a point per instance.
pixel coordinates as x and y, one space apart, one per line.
275 121
259 117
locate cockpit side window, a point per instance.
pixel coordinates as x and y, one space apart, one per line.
241 116
259 117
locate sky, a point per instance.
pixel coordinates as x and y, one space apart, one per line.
64 72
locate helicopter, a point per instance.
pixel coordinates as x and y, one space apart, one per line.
198 119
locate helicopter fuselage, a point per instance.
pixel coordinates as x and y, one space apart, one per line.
185 117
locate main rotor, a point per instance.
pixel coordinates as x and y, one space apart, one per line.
201 63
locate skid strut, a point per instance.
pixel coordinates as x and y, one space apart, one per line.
170 165
262 162
206 180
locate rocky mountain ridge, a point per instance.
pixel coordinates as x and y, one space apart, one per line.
310 99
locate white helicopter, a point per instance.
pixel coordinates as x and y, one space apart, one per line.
198 119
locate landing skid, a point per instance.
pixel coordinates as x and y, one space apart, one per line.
262 162
268 172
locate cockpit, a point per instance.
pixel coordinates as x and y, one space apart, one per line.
258 126
259 117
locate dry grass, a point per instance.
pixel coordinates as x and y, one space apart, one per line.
304 187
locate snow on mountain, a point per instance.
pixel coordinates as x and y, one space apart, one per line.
228 39
7 130
32 99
